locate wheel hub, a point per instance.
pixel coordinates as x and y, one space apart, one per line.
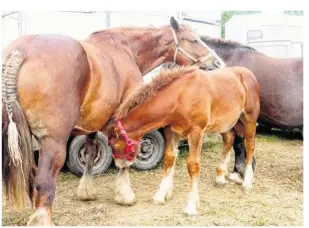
146 149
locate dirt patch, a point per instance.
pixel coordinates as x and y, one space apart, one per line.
276 198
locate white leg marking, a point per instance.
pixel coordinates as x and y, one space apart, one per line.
193 199
39 218
123 191
248 179
235 177
166 188
86 189
220 179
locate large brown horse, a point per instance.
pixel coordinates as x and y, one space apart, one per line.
54 85
188 102
281 96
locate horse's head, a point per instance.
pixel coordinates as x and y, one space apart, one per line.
123 148
187 48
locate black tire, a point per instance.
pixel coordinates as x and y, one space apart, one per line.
151 151
76 161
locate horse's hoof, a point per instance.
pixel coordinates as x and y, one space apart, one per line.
86 196
158 201
220 184
235 177
127 200
169 194
86 190
191 211
247 187
40 218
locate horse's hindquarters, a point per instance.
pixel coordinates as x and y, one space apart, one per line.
50 84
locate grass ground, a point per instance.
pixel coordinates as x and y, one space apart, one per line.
276 198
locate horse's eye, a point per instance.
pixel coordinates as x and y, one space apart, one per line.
194 41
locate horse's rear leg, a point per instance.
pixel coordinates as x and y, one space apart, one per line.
240 158
86 189
250 131
195 145
51 159
170 154
240 155
228 139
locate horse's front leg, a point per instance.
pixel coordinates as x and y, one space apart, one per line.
86 189
124 194
195 145
170 154
52 157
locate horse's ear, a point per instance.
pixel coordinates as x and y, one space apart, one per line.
174 24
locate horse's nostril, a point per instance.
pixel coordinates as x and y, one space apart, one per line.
219 64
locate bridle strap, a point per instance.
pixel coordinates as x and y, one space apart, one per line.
179 48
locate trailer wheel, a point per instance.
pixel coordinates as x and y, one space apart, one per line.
151 151
76 155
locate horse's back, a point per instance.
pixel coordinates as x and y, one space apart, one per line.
234 86
219 97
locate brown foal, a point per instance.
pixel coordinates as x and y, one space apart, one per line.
189 102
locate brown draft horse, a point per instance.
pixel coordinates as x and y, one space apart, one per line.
188 102
54 85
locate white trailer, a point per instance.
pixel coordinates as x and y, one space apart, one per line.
273 34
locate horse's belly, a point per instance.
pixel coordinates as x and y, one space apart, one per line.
223 123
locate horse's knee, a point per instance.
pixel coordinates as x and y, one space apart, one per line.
169 160
193 168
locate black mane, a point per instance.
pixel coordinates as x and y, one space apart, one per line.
221 43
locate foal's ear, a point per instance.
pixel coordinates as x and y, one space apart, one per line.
174 24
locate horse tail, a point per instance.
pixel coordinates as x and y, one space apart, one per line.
17 154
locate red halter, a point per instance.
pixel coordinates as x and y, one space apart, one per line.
130 151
